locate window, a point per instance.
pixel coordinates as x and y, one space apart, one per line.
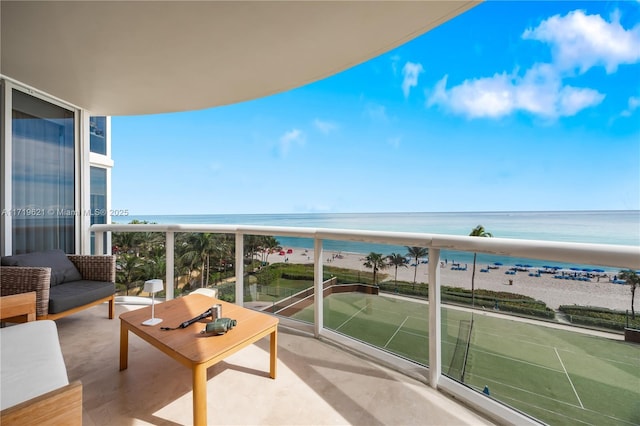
43 175
98 135
98 193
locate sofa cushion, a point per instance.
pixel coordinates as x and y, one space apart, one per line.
72 294
62 269
31 362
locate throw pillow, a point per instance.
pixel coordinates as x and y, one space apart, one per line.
62 269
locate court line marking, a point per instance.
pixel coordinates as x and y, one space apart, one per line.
394 334
518 360
539 395
573 419
516 339
424 336
569 378
350 318
507 397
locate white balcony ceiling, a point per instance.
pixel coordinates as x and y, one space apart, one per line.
139 57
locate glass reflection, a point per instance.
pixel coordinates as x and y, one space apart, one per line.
43 175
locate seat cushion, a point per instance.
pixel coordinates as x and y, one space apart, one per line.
72 294
31 362
62 269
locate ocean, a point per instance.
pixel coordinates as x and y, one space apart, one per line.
602 227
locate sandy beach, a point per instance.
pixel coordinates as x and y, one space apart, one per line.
553 292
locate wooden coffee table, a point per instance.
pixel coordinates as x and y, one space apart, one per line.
191 348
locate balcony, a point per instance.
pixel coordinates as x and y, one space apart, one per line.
362 380
318 383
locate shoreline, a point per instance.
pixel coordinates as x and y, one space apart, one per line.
554 292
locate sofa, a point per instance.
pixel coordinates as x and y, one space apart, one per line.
64 284
34 386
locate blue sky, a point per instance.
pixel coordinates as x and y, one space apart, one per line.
512 106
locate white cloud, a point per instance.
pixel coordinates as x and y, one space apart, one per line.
292 136
539 92
572 100
410 72
633 104
325 127
485 97
583 41
376 112
578 42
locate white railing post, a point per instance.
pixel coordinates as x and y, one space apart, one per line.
170 253
435 326
239 268
318 291
98 242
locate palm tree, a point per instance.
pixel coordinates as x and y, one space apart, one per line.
226 252
376 262
632 279
136 242
268 244
123 241
183 264
396 260
478 231
201 246
251 248
129 270
416 253
154 266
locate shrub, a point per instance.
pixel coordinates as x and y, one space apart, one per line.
507 302
599 317
406 288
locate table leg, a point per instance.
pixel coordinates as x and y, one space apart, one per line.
273 350
199 395
124 347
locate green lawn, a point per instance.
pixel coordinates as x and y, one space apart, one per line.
557 376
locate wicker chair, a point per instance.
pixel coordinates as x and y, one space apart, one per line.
23 279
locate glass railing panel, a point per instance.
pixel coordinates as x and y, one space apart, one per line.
378 309
525 342
204 260
558 376
280 280
140 256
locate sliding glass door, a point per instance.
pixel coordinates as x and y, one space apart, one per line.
43 173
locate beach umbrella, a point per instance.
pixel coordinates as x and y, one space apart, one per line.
587 270
575 269
598 270
519 264
557 267
528 266
547 266
497 263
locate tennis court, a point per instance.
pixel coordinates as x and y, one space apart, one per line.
558 376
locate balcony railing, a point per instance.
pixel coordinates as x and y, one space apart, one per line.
438 371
